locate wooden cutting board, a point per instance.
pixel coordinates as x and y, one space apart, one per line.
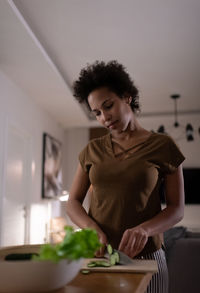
138 265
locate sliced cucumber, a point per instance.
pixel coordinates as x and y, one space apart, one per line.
112 260
113 255
109 249
98 263
85 272
102 263
91 264
117 258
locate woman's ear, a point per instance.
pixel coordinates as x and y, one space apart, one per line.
128 99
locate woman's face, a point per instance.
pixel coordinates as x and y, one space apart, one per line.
110 110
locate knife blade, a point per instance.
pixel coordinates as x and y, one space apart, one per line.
124 259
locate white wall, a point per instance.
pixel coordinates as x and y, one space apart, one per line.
18 109
75 140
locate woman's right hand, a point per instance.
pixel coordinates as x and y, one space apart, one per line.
103 240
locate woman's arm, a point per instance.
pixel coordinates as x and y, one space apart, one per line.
75 210
134 240
174 211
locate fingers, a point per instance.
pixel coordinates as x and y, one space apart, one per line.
140 243
104 242
124 241
101 251
133 241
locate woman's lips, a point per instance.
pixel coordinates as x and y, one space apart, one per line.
111 125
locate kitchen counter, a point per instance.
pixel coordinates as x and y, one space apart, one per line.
133 277
103 282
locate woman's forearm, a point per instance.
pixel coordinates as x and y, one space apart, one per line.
167 218
134 239
78 215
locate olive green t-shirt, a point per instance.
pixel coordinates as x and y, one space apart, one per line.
125 192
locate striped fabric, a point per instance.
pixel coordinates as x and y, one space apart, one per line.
159 281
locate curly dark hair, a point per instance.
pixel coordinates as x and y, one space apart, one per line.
111 75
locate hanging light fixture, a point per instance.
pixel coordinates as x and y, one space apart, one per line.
175 97
161 129
189 130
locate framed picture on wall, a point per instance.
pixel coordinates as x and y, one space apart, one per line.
51 167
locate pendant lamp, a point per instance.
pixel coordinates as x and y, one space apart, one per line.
188 129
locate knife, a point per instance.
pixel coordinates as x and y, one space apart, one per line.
124 259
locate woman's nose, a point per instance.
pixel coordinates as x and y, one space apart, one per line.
106 116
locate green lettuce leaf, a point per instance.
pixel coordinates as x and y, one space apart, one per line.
75 245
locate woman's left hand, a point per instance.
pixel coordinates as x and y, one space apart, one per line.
133 241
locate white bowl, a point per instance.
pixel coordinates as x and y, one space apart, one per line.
34 276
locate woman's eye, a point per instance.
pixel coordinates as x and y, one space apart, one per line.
109 106
106 107
96 113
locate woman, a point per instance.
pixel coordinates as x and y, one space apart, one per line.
125 168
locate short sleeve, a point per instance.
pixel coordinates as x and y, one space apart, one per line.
83 159
174 156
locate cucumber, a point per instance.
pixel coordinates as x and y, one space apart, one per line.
85 272
19 256
109 249
113 255
98 263
91 264
117 258
112 260
102 263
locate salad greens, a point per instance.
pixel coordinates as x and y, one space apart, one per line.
75 245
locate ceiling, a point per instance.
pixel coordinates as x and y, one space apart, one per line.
45 43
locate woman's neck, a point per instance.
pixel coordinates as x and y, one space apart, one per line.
132 130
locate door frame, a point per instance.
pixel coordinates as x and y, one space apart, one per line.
6 123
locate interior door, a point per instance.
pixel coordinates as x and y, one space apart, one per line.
17 187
